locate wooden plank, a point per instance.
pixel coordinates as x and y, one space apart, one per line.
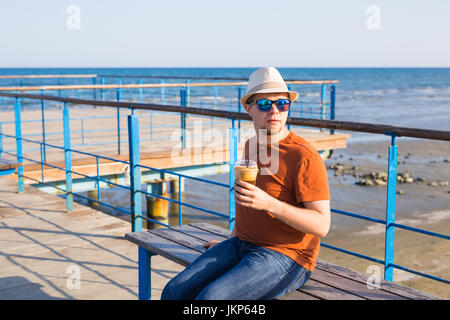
351 286
212 228
326 292
163 247
387 286
199 233
180 238
297 295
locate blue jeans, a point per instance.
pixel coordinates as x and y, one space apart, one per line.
237 270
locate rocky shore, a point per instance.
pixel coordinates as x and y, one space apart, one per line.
380 178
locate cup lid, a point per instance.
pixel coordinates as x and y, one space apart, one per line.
246 163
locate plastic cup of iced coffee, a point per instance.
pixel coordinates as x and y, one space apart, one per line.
246 170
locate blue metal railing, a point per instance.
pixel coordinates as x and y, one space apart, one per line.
136 192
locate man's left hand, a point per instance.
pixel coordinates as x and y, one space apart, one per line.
249 195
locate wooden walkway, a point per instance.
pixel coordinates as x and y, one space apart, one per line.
43 250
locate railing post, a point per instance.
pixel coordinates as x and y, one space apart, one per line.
233 147
183 118
141 94
102 93
67 158
215 96
94 93
119 98
332 104
144 260
180 207
19 143
323 99
289 112
42 161
98 179
390 209
188 93
163 96
135 173
239 110
144 257
59 91
43 127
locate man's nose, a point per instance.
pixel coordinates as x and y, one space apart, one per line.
274 108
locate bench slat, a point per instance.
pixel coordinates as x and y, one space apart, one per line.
385 285
297 295
180 238
163 247
353 287
212 228
199 233
326 292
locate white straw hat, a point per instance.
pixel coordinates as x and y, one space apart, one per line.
267 80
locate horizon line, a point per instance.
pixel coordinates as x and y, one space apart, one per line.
246 67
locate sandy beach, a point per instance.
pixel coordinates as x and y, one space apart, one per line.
423 204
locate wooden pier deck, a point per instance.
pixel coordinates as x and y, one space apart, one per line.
43 250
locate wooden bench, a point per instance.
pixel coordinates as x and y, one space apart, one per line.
183 244
8 167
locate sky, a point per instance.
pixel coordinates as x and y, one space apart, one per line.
227 33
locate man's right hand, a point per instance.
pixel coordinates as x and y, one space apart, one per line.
210 244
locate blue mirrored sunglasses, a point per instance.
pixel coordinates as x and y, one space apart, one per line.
266 104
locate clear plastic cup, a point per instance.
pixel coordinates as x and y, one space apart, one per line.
246 170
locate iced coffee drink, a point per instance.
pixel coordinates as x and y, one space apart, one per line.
246 170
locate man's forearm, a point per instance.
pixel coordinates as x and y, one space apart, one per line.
302 219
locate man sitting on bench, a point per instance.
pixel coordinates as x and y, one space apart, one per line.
279 221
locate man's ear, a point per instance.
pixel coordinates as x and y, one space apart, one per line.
247 107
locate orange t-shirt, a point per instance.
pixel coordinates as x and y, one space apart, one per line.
301 176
